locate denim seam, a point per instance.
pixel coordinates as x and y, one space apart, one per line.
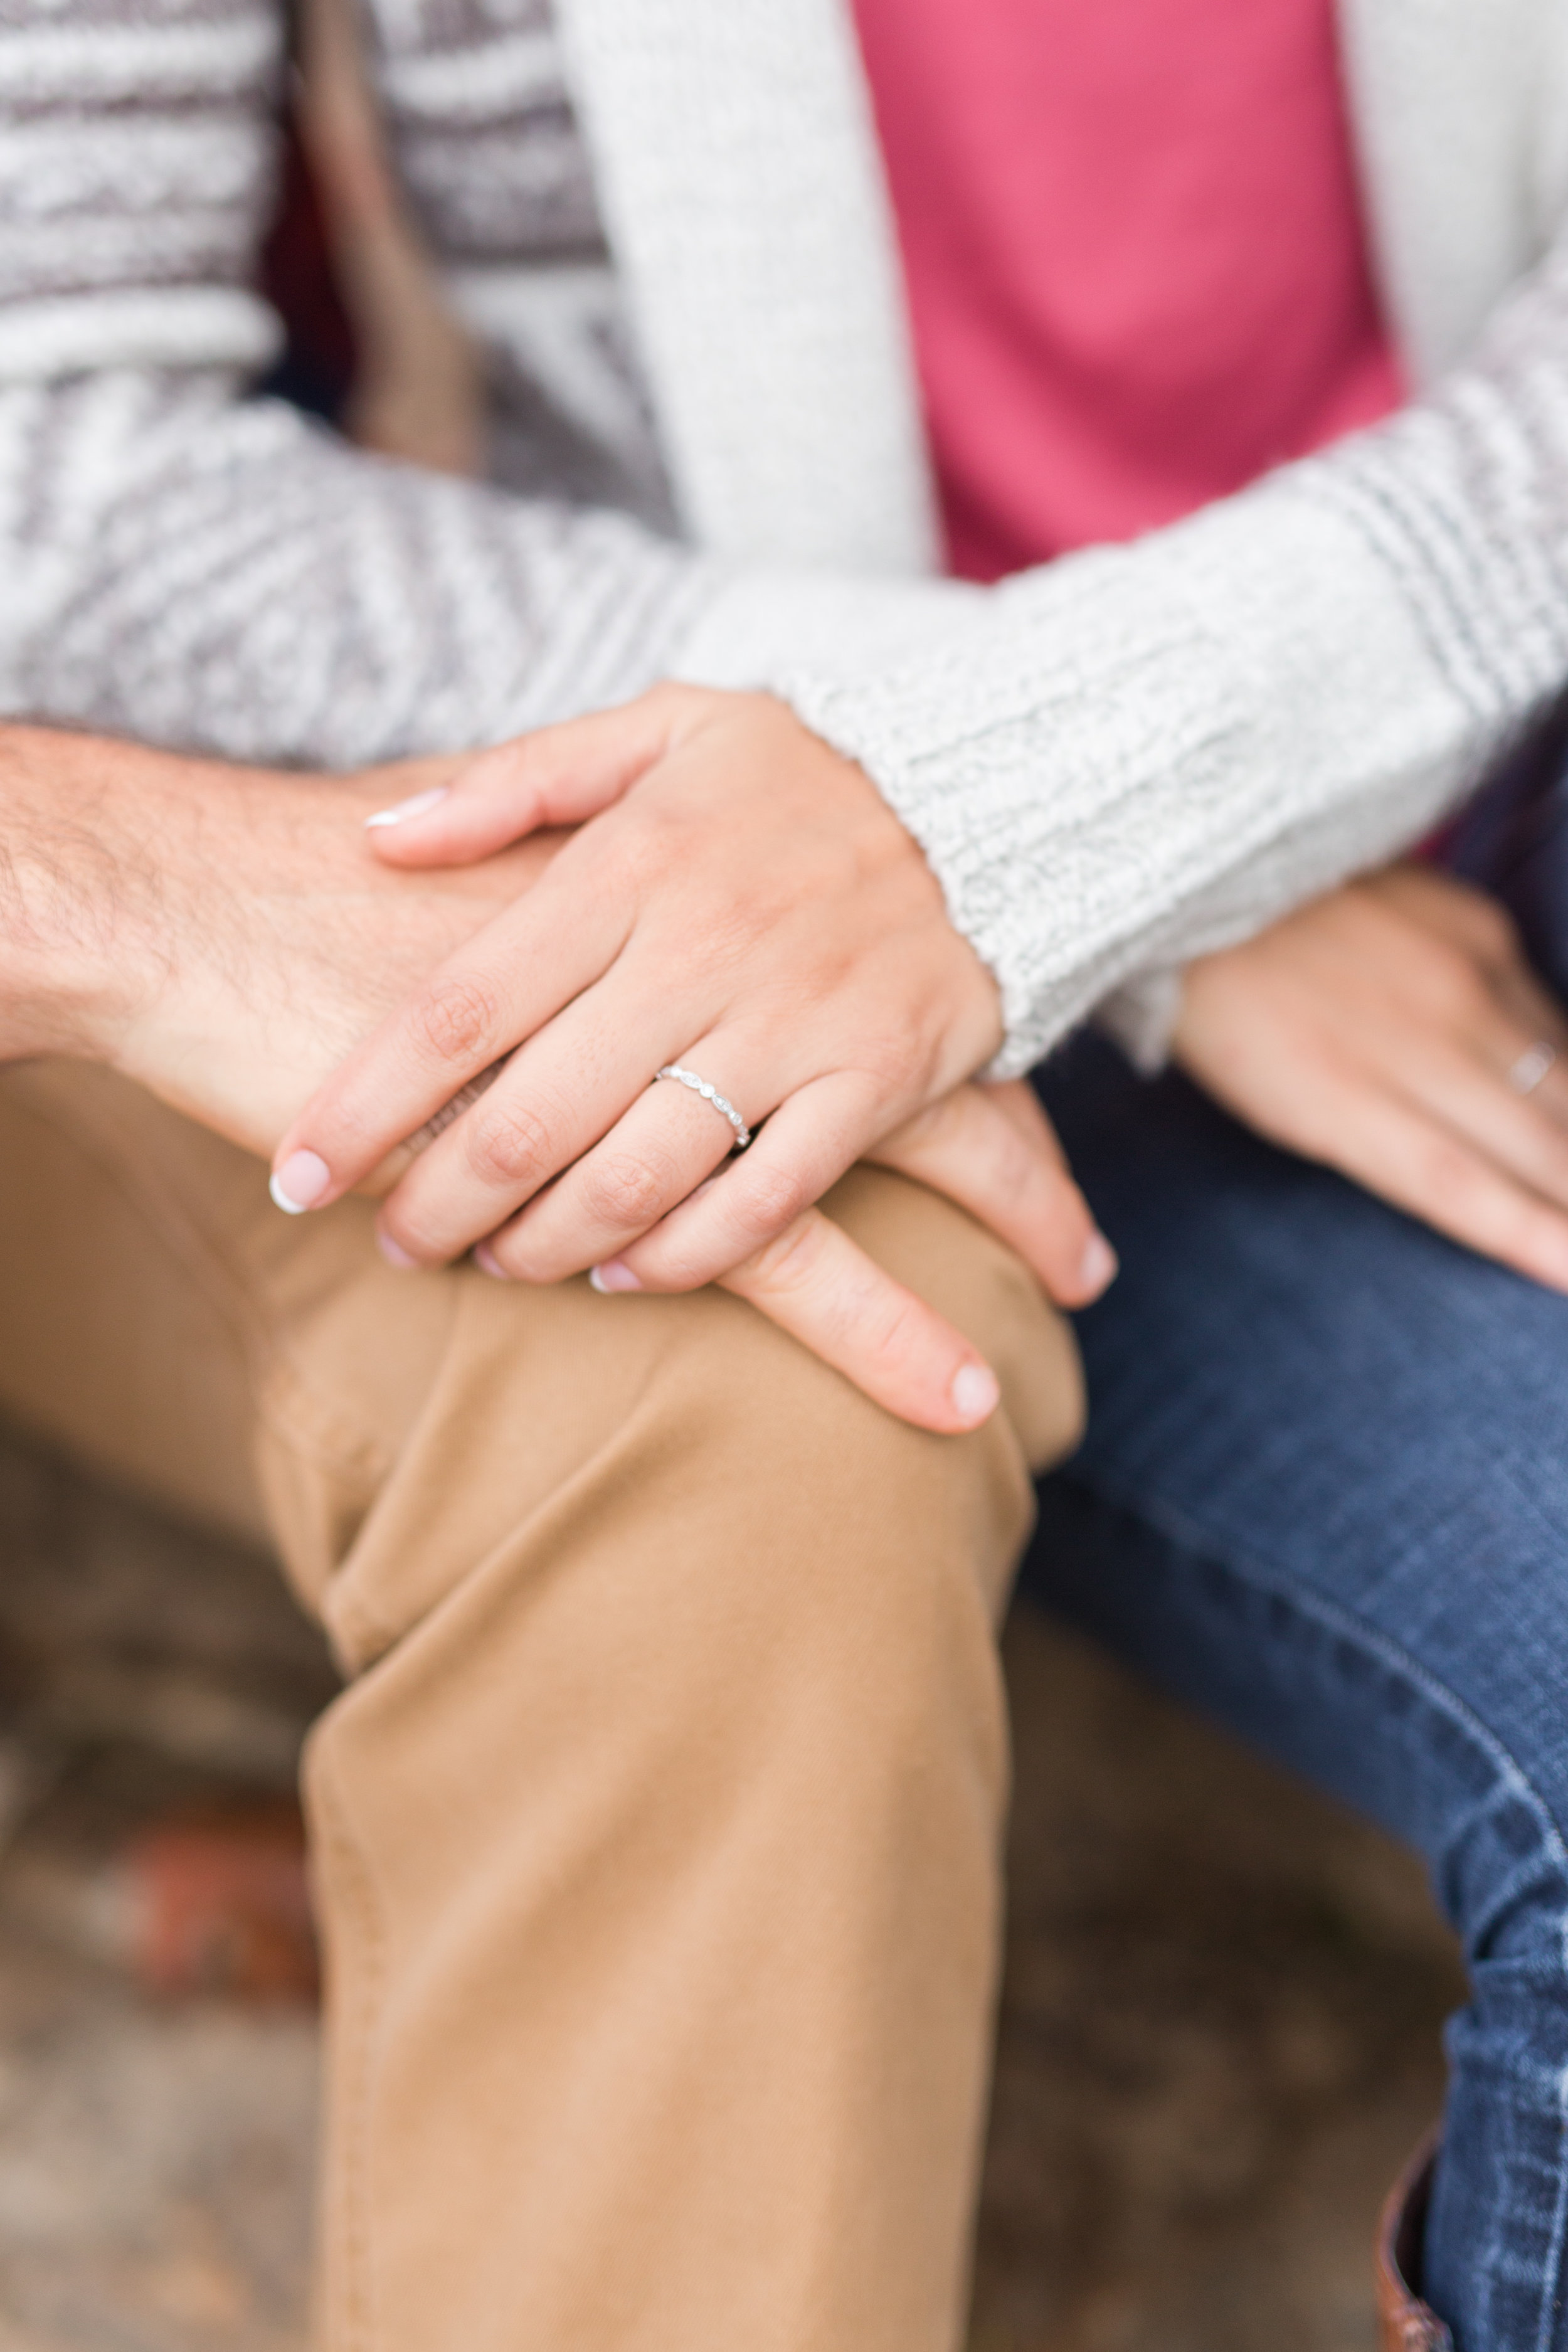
1239 1563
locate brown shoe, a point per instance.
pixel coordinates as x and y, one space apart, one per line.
1404 2322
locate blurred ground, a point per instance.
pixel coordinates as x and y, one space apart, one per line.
1219 2031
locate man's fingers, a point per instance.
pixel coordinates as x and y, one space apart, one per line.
557 776
818 1285
993 1150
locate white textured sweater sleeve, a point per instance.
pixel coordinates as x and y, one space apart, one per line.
193 569
1143 751
183 565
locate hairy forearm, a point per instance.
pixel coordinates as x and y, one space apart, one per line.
219 933
78 905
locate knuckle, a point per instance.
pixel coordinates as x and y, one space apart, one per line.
712 948
456 1019
771 1199
1015 1173
791 1259
530 1257
668 1266
508 1143
1441 982
892 1330
407 1225
942 1127
645 846
1453 983
622 1190
897 1054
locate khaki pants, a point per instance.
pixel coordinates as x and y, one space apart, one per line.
657 1830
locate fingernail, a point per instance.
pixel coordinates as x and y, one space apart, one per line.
614 1275
415 805
487 1263
975 1393
395 1253
1100 1268
299 1184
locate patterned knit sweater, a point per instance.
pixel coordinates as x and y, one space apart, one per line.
1110 765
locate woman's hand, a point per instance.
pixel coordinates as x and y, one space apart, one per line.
1391 1031
993 1150
742 902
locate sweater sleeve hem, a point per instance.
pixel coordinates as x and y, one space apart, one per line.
1081 763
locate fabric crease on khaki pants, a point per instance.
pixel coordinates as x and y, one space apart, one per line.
656 1831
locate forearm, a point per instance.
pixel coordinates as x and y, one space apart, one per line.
218 932
77 914
326 609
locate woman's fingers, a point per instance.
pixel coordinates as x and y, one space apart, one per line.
1471 1094
993 1150
557 776
647 1163
1379 1031
555 1118
821 1287
529 962
1407 1153
1537 1022
810 1140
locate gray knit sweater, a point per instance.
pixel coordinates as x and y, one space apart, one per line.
1111 763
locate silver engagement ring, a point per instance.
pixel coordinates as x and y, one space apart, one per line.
709 1094
1531 1066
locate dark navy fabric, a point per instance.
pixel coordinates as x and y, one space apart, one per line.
1513 841
1325 1498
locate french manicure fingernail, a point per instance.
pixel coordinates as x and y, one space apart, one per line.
487 1263
299 1184
395 1253
1099 1266
415 805
975 1393
614 1275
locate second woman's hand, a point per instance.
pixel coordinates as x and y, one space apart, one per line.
1393 1030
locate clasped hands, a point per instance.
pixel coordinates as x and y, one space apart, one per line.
735 897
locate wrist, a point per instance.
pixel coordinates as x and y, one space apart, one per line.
67 968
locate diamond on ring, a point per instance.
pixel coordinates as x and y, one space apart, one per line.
709 1093
1531 1066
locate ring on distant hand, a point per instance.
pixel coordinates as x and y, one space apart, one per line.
709 1094
1531 1066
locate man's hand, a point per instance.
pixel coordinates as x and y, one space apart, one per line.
1389 1030
215 932
222 936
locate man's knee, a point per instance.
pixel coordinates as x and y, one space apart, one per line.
683 1452
707 1591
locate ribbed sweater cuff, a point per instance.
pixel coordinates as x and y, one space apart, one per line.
1106 765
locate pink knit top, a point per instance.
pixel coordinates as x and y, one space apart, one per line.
1135 253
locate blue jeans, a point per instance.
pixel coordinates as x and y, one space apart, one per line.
1325 1498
